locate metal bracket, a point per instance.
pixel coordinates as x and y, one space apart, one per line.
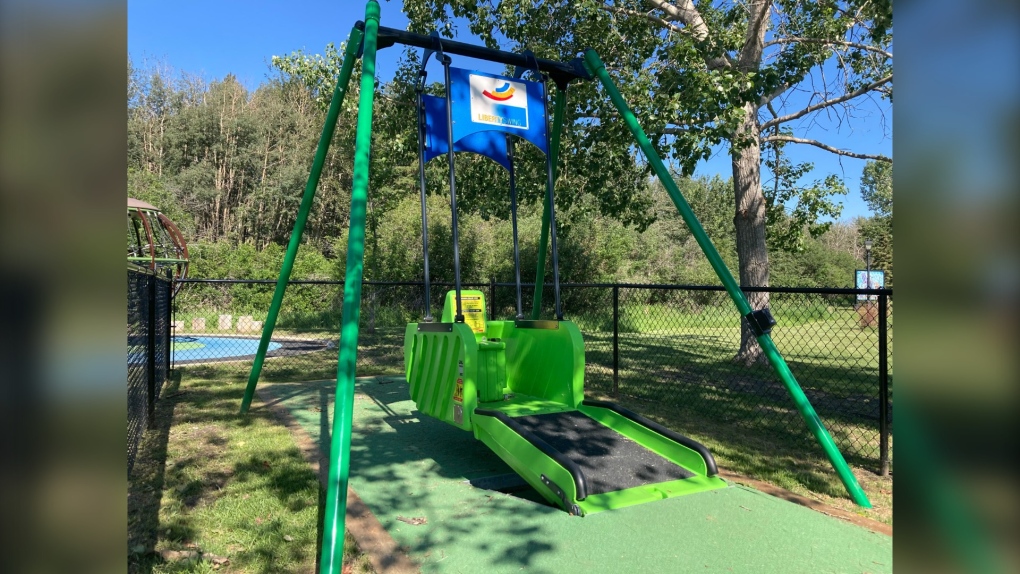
572 509
437 47
760 321
532 67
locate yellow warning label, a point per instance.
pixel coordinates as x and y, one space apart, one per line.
458 391
474 313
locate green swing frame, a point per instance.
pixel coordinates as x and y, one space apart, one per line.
365 39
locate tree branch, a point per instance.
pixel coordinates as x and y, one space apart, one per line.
828 103
857 45
767 98
754 39
686 13
826 147
647 16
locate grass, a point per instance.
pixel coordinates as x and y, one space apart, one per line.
691 371
210 485
215 491
689 384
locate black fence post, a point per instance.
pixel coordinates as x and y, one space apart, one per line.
169 320
150 354
883 385
173 326
492 298
616 340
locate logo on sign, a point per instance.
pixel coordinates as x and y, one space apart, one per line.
502 93
499 102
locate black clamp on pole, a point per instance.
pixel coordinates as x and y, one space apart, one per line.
760 321
422 73
437 49
519 71
360 25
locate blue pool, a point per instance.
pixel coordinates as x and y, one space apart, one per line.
186 348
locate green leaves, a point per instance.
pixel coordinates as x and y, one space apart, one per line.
316 73
794 209
877 188
877 191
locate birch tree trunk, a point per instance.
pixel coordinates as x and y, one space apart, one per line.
749 221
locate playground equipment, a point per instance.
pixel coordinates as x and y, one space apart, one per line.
154 241
521 390
519 387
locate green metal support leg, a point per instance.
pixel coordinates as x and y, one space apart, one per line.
560 106
331 558
350 55
595 66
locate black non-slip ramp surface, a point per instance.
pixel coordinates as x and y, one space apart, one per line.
609 460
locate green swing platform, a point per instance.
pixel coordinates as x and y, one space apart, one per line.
519 387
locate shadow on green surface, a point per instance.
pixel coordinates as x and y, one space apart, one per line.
384 446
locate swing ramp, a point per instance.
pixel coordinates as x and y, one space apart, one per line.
518 386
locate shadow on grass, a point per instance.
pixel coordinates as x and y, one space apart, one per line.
696 376
687 381
146 481
219 488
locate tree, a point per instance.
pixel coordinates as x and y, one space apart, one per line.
876 187
793 209
739 74
877 191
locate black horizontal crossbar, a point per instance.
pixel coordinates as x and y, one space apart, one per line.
562 73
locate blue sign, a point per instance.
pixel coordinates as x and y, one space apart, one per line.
492 103
488 143
863 281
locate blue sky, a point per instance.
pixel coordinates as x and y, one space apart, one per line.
212 39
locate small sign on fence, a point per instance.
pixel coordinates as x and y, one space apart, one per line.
863 281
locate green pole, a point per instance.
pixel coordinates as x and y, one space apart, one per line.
350 55
800 400
554 150
331 558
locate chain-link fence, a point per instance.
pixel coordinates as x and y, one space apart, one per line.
670 347
676 347
148 349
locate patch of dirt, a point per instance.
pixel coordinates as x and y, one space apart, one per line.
415 521
211 487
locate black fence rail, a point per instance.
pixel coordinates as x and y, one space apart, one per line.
671 347
148 349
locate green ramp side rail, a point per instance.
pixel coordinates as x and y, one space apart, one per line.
518 386
761 327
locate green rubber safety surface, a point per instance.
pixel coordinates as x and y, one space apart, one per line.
407 468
